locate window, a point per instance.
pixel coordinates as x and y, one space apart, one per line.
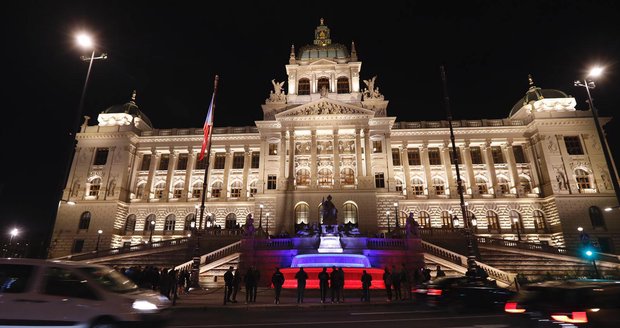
101 156
583 180
63 283
164 161
253 189
476 155
303 87
273 149
231 221
342 85
596 217
216 189
376 146
147 222
182 162
516 224
322 82
424 219
255 159
170 222
481 183
146 163
433 156
178 190
504 185
78 246
379 180
438 185
498 155
446 219
519 154
413 156
458 156
302 213
84 221
399 185
238 159
302 177
347 176
220 161
525 185
396 156
325 177
95 186
573 145
493 221
188 222
417 186
130 223
197 190
349 212
159 190
235 189
271 182
201 164
539 221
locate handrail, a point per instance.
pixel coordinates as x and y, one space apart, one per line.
124 250
213 256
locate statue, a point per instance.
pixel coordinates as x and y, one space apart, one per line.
249 229
329 212
277 87
370 84
371 92
277 94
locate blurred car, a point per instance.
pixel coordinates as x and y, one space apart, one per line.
460 293
570 303
58 293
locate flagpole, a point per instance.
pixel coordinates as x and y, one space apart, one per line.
196 259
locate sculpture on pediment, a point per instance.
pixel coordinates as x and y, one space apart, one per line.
371 92
277 94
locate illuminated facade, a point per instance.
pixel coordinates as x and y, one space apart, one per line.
541 170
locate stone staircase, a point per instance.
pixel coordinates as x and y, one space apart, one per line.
212 274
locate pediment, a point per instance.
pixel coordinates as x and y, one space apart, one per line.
325 107
323 61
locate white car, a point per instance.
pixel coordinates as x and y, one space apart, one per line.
35 293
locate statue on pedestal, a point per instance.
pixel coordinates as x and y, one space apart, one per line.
248 229
329 212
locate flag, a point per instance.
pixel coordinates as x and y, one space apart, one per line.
207 128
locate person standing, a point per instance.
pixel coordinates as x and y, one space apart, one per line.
341 282
366 283
333 282
405 279
323 283
256 282
249 285
301 277
277 279
228 285
396 283
236 284
387 280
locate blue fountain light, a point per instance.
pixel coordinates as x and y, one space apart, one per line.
329 260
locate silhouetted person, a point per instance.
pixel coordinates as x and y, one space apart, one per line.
323 283
228 284
366 283
277 279
256 282
387 280
236 285
333 283
341 282
250 282
405 279
396 283
301 277
439 273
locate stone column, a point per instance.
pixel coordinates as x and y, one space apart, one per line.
291 159
367 152
227 167
359 170
512 166
135 160
282 150
391 181
314 163
336 159
427 170
149 182
534 174
171 166
447 164
246 170
469 169
209 172
404 158
188 173
488 157
264 152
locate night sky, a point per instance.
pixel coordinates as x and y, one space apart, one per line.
170 51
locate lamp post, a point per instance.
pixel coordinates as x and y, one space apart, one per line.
152 229
260 219
396 218
99 232
518 227
387 215
588 84
14 232
196 216
267 224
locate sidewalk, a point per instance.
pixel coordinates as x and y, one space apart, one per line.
214 298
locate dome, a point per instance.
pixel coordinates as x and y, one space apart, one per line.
333 51
128 108
535 93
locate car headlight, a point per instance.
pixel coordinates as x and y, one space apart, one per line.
142 305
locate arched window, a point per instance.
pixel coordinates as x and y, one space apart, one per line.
446 219
148 226
481 183
140 191
159 190
583 180
197 190
322 82
493 222
320 213
187 225
539 221
516 223
84 221
178 190
216 189
347 176
231 221
504 185
325 177
471 219
303 87
302 213
95 186
596 217
302 178
130 223
525 185
170 222
342 85
417 186
235 189
349 212
424 219
438 186
399 185
253 190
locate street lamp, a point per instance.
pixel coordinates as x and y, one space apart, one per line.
14 232
588 83
387 215
267 226
99 232
196 215
518 227
396 218
260 219
152 229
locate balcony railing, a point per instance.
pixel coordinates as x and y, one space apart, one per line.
124 250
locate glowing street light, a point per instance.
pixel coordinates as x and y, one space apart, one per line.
267 226
14 232
152 229
260 220
99 232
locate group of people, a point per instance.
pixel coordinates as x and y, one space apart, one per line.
232 284
396 281
169 282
